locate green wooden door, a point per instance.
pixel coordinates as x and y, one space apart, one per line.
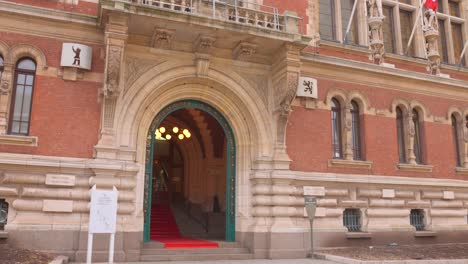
230 166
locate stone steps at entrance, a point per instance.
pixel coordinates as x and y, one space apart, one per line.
155 251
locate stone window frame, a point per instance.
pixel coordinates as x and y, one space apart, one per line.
418 39
462 133
409 135
11 55
345 99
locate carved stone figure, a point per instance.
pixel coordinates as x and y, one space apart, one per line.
374 8
113 71
430 21
4 87
162 38
290 94
431 35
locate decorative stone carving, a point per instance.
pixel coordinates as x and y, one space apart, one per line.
5 87
290 93
431 34
162 38
204 44
114 60
375 20
135 67
244 50
203 47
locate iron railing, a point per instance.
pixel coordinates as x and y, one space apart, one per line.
235 11
417 219
352 220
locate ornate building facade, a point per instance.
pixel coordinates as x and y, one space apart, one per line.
196 102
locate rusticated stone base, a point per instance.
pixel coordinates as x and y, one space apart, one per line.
74 243
276 245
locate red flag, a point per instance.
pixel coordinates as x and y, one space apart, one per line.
431 4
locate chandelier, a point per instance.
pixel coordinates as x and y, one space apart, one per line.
167 134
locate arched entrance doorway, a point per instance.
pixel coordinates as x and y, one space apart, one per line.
171 168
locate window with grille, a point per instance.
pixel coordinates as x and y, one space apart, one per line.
356 131
417 147
3 213
20 113
456 140
401 135
346 9
352 220
336 129
327 19
389 30
417 219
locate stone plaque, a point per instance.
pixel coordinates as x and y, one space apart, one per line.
318 191
449 195
60 180
60 206
388 193
307 87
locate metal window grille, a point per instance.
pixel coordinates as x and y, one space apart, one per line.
417 219
3 213
352 220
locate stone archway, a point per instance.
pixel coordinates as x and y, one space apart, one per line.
230 166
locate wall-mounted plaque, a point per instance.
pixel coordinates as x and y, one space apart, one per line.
307 87
76 55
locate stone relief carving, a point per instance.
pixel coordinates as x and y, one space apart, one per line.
204 44
375 21
289 94
257 80
5 87
162 38
114 60
244 50
135 67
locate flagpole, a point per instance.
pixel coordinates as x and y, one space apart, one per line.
350 21
414 27
462 54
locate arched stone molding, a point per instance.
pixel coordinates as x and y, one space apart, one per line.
26 50
234 98
339 94
457 111
362 100
403 104
4 51
422 110
462 132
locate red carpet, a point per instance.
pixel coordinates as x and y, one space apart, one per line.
164 229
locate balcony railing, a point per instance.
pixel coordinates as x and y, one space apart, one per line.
235 11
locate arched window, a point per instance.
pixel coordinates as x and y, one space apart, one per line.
456 140
336 129
401 135
20 112
417 137
1 67
356 131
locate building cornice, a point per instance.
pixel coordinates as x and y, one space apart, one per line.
386 71
40 12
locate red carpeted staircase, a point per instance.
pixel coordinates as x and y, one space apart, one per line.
164 229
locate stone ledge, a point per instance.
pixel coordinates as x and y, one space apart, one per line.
18 140
3 234
415 167
354 164
461 170
425 234
358 235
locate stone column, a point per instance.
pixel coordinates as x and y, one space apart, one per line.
411 132
348 123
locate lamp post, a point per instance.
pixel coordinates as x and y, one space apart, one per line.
310 205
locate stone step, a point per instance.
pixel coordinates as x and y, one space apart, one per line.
196 257
221 244
194 251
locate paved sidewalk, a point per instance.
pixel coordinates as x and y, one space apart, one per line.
250 261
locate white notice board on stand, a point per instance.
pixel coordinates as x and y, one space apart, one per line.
102 218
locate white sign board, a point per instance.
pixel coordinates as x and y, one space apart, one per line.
76 55
307 87
103 212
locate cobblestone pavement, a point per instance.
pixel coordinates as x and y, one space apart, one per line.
250 261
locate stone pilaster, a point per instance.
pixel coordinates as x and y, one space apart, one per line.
116 35
6 84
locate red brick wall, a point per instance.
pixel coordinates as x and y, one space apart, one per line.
65 114
82 7
309 135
